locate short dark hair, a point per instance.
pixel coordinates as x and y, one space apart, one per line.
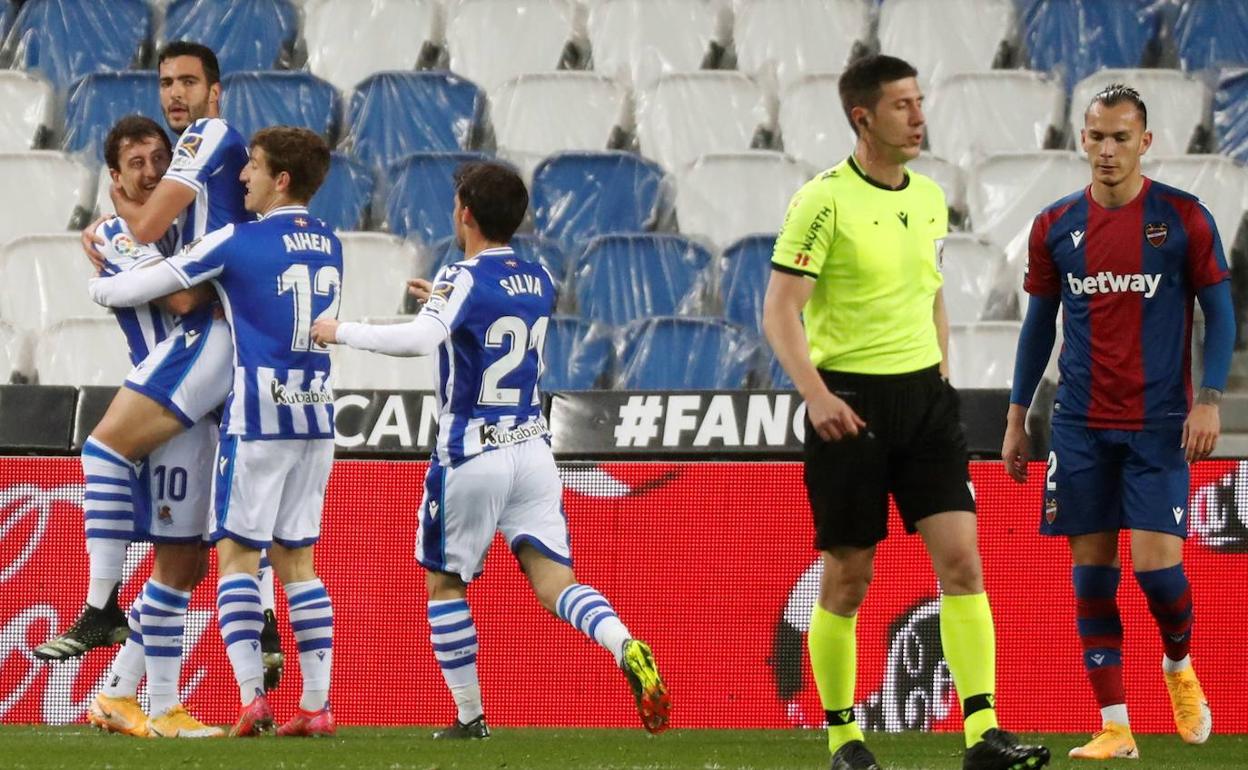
132 128
212 70
862 82
495 195
300 152
1115 94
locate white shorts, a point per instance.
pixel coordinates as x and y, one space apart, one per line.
189 373
270 491
178 480
514 490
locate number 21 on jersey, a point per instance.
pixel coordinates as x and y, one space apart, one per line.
511 330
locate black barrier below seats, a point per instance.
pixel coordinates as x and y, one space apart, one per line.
586 424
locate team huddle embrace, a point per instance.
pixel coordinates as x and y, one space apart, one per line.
227 291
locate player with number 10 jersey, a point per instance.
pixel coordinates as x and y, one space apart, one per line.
273 276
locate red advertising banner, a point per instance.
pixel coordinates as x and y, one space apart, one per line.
711 563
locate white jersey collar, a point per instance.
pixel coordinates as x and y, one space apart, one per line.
285 211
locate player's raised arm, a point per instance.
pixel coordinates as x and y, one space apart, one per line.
148 221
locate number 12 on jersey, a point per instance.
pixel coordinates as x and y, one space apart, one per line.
296 279
522 339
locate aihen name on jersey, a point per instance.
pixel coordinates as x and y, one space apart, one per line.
497 436
289 397
298 241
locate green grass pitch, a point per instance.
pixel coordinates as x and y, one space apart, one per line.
79 748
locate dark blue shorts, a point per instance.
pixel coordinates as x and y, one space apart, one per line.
1101 480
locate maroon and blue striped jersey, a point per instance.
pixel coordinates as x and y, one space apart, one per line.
1127 278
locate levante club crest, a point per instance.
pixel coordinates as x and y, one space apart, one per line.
1156 233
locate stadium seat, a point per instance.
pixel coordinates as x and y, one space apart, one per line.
13 354
579 195
722 198
745 269
536 115
577 355
655 355
63 40
375 269
359 370
945 174
637 41
973 35
969 264
64 191
1075 38
1178 105
422 194
493 41
43 280
251 101
1212 33
529 247
394 114
620 278
981 355
1230 115
346 194
1012 110
778 41
27 104
685 116
82 351
255 35
8 11
347 42
1005 192
812 123
1219 182
99 100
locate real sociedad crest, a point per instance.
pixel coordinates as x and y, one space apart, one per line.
1156 233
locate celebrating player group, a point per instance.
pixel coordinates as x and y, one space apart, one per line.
227 291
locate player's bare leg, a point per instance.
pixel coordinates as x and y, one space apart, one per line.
133 426
453 637
1158 561
969 641
1096 576
312 616
179 567
582 607
833 644
240 619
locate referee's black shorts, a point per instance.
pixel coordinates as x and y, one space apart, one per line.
913 447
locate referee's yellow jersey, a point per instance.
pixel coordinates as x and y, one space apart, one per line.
874 254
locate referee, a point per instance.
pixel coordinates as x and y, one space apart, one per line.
858 258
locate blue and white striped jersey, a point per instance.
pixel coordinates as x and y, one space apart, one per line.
496 307
275 277
147 325
208 159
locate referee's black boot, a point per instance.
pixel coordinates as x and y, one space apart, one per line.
999 750
854 756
